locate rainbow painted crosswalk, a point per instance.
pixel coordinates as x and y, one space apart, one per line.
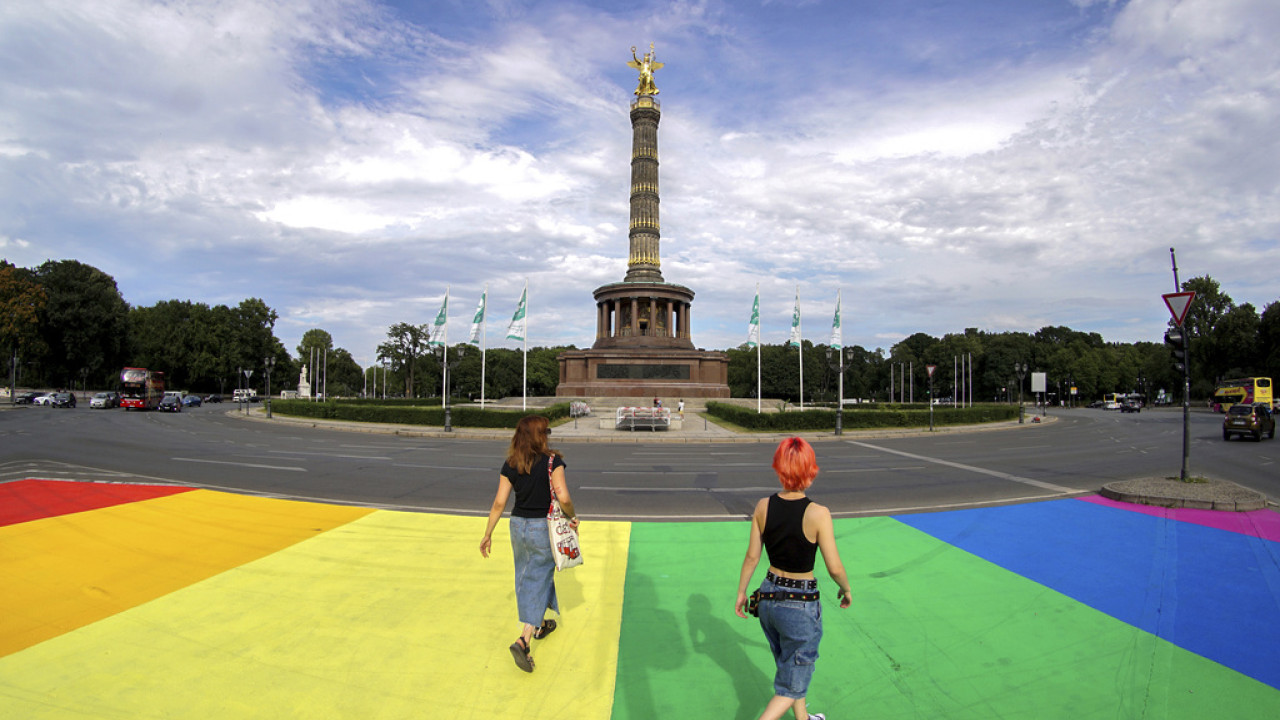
128 601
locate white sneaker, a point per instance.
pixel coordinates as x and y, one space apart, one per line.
817 716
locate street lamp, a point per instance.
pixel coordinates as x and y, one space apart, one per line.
835 360
270 362
448 365
1021 370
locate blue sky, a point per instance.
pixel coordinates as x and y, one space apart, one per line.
998 164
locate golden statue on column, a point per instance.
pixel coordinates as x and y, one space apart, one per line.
646 66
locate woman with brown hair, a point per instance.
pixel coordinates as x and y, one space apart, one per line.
532 470
792 529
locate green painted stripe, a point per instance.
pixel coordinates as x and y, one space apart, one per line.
934 632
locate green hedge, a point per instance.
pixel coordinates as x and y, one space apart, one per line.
859 419
411 414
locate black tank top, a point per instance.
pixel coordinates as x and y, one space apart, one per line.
789 550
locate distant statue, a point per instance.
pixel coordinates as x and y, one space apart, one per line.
646 66
302 379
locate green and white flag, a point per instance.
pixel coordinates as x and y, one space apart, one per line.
837 339
477 323
753 328
795 322
516 330
440 329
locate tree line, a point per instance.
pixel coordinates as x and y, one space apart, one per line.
65 324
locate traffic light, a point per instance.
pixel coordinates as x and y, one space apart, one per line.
1177 343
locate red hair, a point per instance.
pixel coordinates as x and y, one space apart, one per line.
795 464
529 443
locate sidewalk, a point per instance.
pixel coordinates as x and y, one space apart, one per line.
139 602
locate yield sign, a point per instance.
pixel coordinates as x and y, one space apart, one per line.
931 368
1178 304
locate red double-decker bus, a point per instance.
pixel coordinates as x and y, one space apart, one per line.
141 389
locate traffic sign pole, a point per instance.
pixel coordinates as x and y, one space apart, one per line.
1178 304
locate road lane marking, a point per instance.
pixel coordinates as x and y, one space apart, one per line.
971 468
240 464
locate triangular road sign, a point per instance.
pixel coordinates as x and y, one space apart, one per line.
931 368
1178 303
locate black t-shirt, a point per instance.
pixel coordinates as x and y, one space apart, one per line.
533 491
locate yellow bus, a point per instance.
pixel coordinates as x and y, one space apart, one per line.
1242 390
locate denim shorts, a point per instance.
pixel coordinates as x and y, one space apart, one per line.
535 569
793 629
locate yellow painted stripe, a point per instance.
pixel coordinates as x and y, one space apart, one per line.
58 574
395 615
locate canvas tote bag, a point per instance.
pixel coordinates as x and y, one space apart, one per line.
564 539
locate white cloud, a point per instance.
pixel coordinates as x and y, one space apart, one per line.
346 165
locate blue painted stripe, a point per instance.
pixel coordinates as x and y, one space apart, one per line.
1209 591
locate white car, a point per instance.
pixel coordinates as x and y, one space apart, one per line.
44 399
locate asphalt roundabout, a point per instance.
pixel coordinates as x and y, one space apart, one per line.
124 598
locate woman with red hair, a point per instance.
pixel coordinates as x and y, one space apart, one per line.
532 470
791 528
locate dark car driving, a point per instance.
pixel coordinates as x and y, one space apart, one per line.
1253 420
170 403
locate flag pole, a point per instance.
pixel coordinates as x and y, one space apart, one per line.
484 338
524 400
758 335
800 344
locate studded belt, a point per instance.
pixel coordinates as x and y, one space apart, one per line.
796 583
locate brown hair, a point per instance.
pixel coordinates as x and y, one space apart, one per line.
795 464
529 443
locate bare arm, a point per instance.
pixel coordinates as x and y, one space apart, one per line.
495 512
749 563
561 488
831 554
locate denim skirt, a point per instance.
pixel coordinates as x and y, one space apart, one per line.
535 569
793 629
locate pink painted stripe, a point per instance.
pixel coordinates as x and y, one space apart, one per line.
1263 523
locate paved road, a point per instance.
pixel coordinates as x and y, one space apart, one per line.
206 446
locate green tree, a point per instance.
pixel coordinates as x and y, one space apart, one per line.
83 323
22 301
406 345
1269 341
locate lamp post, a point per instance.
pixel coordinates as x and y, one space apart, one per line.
1021 370
448 366
270 362
836 362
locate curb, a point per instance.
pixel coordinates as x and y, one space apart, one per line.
1173 493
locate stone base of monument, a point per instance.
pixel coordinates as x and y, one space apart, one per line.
644 373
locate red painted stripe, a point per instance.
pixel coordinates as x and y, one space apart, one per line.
1263 523
27 500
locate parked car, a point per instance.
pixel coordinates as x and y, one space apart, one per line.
105 400
214 398
26 398
170 403
1095 404
43 399
1245 419
63 399
191 401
